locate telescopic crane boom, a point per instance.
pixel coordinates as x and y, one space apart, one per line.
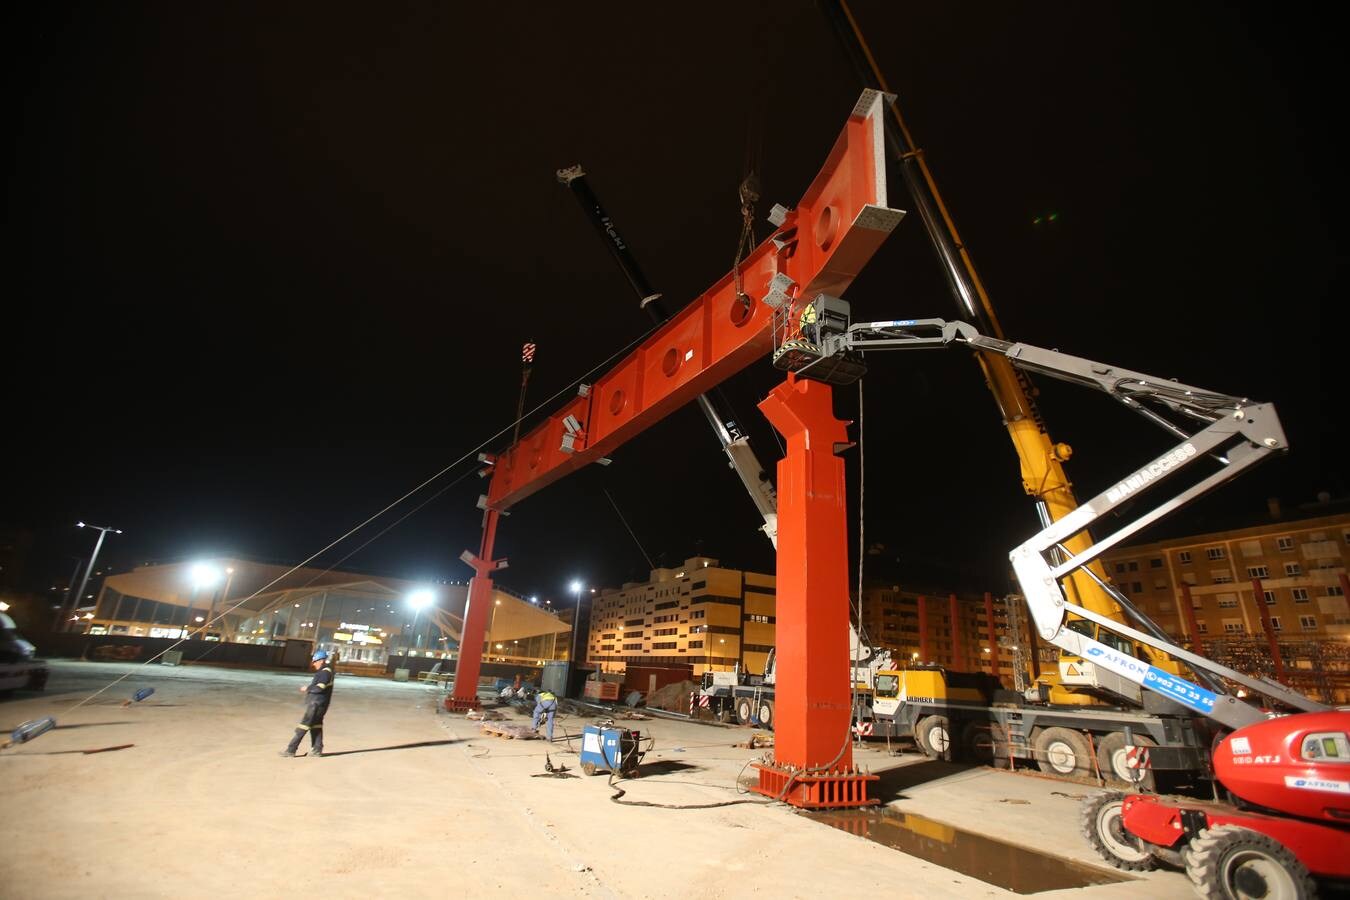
1041 458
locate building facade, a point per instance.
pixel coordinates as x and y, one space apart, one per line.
891 618
1296 568
365 619
698 614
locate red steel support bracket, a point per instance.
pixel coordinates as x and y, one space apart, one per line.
813 753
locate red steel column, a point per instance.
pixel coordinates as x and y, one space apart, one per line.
958 645
812 708
993 633
923 629
1259 595
465 694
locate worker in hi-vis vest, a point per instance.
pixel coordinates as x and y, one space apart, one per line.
545 704
318 694
806 324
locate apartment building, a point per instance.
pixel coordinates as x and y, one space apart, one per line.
699 614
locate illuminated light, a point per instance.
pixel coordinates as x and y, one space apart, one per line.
575 587
914 656
3 606
499 646
1036 221
1053 216
200 619
499 603
297 606
420 599
592 590
203 575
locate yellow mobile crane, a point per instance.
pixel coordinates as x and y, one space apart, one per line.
1041 458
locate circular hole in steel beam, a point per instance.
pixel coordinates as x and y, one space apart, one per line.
616 402
827 223
670 363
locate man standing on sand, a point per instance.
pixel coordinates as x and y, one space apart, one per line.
318 693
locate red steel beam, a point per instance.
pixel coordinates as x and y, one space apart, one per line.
821 246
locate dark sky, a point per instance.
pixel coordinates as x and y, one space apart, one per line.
270 265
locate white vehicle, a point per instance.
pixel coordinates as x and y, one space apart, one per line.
19 665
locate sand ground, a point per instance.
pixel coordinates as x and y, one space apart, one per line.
415 803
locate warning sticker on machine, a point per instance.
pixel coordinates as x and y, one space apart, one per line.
1317 784
590 742
1240 746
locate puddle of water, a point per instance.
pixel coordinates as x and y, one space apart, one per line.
995 862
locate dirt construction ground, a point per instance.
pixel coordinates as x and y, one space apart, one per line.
412 803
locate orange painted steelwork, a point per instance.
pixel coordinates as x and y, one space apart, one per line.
464 697
813 755
820 246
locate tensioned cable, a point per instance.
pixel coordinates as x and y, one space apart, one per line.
629 527
386 509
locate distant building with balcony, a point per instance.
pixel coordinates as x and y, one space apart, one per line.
1297 565
698 614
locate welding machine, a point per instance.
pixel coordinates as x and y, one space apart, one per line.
607 749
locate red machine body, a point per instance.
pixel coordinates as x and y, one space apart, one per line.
1298 765
1297 768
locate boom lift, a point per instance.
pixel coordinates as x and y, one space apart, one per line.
1233 431
1287 818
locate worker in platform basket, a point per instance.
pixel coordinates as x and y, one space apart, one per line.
318 694
545 704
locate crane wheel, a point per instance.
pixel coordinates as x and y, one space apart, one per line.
1228 861
766 715
743 710
933 734
1101 823
986 743
1111 761
1063 752
588 768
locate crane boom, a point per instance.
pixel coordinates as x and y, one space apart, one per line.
1040 458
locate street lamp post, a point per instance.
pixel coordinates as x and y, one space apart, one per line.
202 575
575 588
418 600
102 533
224 597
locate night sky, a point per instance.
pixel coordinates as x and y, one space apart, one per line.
270 265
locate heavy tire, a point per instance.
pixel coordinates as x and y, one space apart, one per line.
985 743
1101 824
743 710
1111 760
933 734
1063 752
1228 862
766 715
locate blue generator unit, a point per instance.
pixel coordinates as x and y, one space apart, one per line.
607 749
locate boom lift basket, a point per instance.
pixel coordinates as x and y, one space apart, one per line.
799 330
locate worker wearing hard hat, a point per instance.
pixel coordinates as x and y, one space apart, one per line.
545 704
806 324
318 694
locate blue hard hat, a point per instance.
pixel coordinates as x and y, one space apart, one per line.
318 655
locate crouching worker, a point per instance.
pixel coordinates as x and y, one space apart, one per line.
318 693
545 704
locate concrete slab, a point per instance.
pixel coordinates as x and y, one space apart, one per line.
416 803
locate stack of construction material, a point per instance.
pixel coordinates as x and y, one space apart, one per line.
673 697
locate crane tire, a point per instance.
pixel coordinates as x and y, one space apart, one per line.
933 734
1100 822
985 743
1111 760
744 710
766 715
1063 752
1227 861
